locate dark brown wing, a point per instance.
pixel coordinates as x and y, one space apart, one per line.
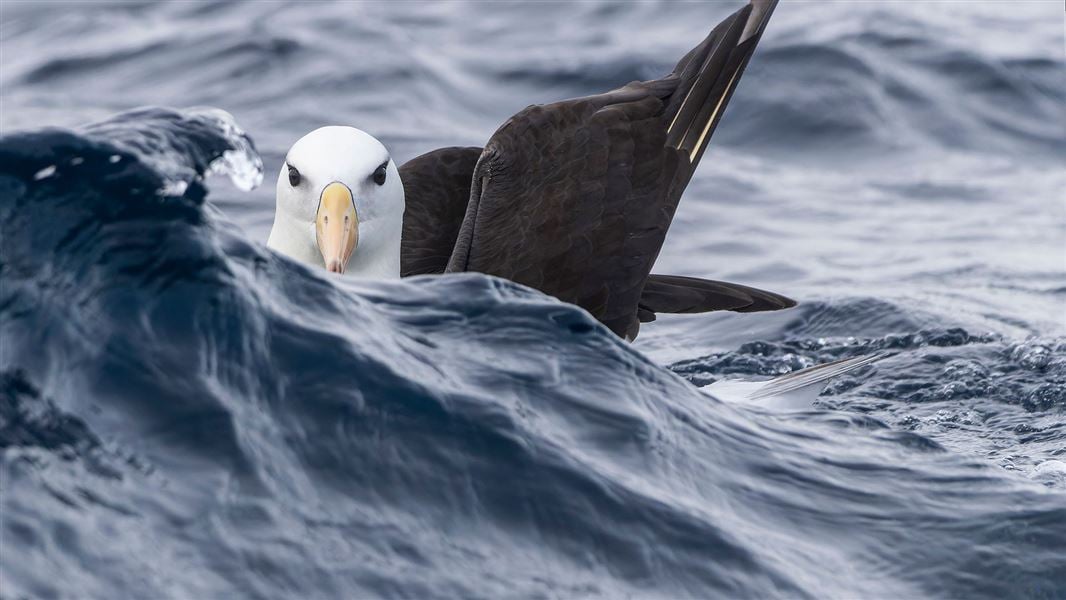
436 187
575 198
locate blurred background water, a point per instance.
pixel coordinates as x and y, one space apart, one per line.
184 414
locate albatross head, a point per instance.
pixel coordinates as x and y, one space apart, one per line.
340 204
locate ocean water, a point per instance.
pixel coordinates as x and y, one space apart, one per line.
184 414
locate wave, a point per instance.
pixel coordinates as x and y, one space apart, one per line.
853 82
185 414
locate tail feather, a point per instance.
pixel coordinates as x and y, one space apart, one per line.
794 391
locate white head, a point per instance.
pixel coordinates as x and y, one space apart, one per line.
340 204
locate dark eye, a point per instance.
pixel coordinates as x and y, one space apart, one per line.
294 176
379 174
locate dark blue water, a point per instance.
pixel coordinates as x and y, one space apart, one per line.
184 414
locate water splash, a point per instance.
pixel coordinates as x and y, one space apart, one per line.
241 163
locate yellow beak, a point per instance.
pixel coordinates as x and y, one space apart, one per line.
336 226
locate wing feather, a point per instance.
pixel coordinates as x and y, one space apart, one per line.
436 188
575 198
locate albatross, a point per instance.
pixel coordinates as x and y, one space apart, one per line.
572 198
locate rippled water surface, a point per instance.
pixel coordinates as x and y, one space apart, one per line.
184 414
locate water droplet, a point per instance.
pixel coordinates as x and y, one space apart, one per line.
44 173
